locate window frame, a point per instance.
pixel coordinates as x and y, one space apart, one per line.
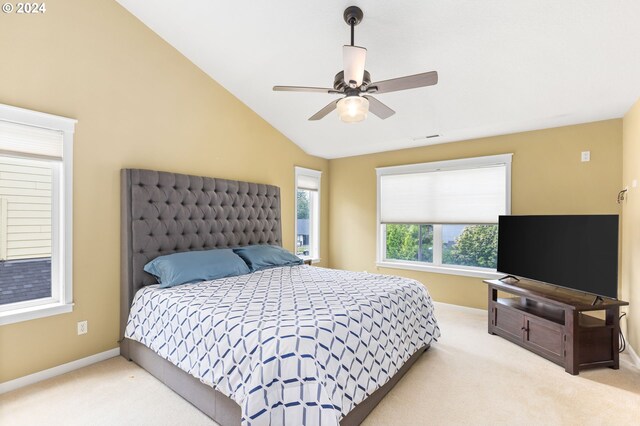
314 216
61 300
456 164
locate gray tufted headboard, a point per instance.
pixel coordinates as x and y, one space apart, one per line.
164 213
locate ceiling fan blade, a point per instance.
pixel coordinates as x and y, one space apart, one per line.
353 59
378 108
324 111
403 83
305 89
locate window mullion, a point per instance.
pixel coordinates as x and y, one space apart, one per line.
383 242
437 244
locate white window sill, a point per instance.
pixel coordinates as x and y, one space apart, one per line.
312 259
34 312
438 269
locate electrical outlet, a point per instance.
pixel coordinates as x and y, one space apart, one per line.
83 327
585 156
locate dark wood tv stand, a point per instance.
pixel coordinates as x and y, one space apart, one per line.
556 323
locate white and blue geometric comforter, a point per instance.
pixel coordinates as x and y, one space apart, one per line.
292 345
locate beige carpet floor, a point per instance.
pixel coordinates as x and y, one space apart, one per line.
467 378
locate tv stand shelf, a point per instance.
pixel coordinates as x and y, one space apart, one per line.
556 323
538 309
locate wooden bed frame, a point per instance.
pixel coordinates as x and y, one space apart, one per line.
164 213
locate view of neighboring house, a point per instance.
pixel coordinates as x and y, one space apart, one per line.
302 239
25 229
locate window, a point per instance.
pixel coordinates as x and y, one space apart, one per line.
443 216
308 213
35 214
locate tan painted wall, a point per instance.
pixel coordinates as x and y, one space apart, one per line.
631 224
547 178
139 103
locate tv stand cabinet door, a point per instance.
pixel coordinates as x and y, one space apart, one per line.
545 338
508 323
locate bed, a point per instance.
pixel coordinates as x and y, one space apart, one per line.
285 345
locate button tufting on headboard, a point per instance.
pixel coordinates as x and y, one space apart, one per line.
164 213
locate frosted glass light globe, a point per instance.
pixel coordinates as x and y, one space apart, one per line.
353 109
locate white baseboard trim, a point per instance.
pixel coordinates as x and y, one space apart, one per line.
462 307
635 359
56 371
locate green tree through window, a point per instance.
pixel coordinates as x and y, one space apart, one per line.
303 204
477 245
410 242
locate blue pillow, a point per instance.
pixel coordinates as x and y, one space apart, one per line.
193 266
265 256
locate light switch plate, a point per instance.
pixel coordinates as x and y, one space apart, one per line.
585 156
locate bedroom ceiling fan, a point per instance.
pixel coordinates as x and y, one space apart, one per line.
355 82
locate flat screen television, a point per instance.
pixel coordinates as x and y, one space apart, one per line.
579 252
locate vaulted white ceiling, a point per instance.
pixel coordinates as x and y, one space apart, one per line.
504 65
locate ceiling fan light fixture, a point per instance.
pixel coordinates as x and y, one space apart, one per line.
353 109
354 81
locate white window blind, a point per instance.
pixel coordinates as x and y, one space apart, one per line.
466 193
308 182
30 140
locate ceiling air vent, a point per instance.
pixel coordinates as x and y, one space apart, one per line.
419 138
